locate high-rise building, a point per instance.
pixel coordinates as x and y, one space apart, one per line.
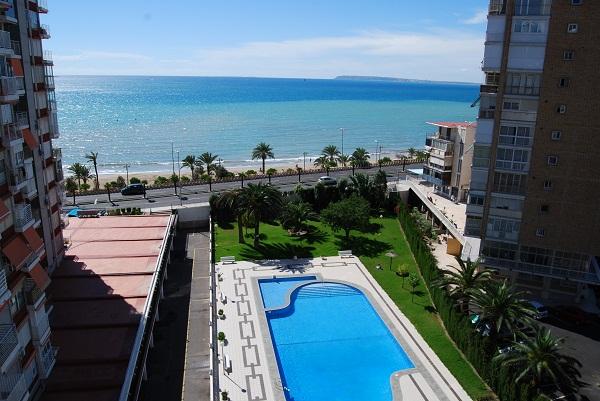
30 189
534 194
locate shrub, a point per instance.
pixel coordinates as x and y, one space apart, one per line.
250 172
160 181
348 214
385 160
121 182
185 179
135 180
221 336
84 187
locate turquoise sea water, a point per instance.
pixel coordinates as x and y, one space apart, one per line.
331 344
134 119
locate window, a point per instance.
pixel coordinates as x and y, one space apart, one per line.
532 7
576 2
503 228
572 28
544 208
547 185
511 106
526 26
561 108
556 135
519 83
512 159
515 136
553 160
502 203
481 156
540 232
563 82
476 199
510 183
569 55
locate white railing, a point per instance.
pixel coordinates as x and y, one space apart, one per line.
48 359
47 55
8 341
6 115
5 41
12 387
21 118
3 283
23 215
8 86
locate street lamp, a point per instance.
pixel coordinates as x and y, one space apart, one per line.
127 165
376 149
342 129
391 255
304 160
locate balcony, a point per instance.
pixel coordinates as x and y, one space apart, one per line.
487 114
493 89
8 342
21 120
48 360
16 47
29 191
32 292
23 217
497 7
39 6
4 292
5 42
9 89
541 270
41 32
13 386
12 136
523 90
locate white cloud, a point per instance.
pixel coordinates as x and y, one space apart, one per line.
480 17
441 54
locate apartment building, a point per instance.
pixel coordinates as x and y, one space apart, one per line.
534 192
448 166
30 188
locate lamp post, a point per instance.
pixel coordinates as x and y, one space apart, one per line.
342 129
391 255
127 172
173 157
304 154
376 149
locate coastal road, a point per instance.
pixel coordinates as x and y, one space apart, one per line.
165 197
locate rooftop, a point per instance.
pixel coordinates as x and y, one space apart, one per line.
99 294
449 124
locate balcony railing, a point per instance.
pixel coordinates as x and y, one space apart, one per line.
8 341
12 133
3 283
5 42
487 114
542 270
47 57
488 89
13 386
48 359
21 119
523 90
23 216
497 7
8 86
16 46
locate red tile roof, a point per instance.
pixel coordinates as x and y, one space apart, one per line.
99 293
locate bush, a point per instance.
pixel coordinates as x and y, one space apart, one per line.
221 336
385 160
84 187
135 180
160 181
121 182
185 179
250 172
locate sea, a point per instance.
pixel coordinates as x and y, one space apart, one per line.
147 122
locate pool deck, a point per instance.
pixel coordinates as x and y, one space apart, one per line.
254 374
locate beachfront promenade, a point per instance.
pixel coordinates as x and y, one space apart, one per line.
165 197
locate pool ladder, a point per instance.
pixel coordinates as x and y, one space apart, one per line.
279 386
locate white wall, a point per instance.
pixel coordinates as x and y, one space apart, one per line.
526 57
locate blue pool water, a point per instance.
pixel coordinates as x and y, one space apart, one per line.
275 291
331 344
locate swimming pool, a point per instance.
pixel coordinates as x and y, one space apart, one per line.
274 291
330 344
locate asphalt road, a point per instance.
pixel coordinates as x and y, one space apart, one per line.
199 193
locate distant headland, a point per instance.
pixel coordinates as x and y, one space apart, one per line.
392 79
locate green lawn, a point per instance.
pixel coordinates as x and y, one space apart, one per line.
384 235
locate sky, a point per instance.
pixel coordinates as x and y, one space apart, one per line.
427 39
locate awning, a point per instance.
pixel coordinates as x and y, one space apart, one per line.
33 239
39 275
16 251
17 67
4 211
30 139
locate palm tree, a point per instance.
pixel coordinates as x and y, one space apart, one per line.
295 214
270 173
262 151
332 153
502 307
539 361
71 186
363 185
86 174
344 159
232 199
461 283
93 157
260 203
108 187
77 170
412 152
190 162
208 159
324 162
360 157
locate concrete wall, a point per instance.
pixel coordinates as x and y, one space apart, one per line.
190 216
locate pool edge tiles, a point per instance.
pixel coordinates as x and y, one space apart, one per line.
336 351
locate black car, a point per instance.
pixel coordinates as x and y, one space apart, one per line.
134 189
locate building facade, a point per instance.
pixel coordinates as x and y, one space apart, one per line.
448 166
30 190
534 195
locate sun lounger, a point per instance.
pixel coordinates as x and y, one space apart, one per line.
345 254
227 259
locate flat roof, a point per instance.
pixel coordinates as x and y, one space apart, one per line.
99 293
452 124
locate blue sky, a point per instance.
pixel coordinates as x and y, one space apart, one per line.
427 39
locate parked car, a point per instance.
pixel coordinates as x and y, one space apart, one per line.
540 310
326 180
134 189
571 314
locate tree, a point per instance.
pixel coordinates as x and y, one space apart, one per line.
71 186
360 158
270 173
222 172
502 307
349 214
93 157
538 360
260 203
121 181
190 162
262 151
380 186
385 160
160 180
295 214
108 187
463 282
412 152
402 272
325 163
174 180
413 281
232 200
85 175
362 185
344 159
207 159
135 180
332 153
77 169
